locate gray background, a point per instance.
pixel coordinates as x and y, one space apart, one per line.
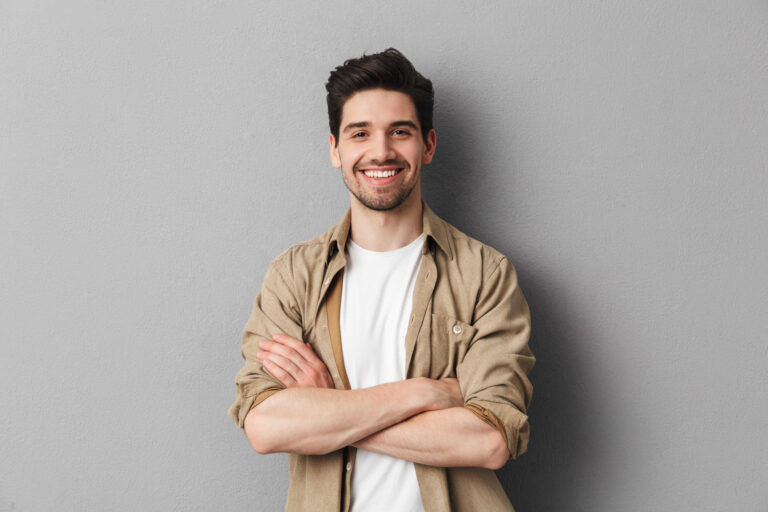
154 157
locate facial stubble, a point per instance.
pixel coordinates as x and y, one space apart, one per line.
383 202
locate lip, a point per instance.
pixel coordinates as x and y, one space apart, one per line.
381 182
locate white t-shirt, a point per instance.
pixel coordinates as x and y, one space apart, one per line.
376 300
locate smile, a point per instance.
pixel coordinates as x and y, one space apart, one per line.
381 173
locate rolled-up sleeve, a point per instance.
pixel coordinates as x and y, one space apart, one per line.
275 310
493 374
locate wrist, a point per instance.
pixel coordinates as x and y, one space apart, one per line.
424 393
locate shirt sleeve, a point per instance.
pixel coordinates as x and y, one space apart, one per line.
493 374
275 310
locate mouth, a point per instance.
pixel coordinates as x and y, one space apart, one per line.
381 176
381 173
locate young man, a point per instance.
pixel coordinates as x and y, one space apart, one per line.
389 355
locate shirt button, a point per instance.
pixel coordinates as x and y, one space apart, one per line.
349 466
456 329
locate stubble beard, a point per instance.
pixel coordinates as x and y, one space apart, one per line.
377 202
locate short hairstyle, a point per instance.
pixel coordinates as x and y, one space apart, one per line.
388 70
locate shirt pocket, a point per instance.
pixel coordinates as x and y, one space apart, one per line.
449 341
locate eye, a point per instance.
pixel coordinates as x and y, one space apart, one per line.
358 135
401 132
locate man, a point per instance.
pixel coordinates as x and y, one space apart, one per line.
389 355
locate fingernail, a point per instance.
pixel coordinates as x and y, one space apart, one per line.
259 354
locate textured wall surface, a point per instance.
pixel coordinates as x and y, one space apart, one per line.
154 157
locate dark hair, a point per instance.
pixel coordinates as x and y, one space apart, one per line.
388 70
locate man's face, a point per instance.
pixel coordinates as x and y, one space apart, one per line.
380 149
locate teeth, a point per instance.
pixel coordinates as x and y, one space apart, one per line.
380 174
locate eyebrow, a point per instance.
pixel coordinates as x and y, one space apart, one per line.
366 124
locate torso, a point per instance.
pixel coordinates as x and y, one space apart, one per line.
375 308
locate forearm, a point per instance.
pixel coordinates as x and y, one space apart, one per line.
447 438
316 421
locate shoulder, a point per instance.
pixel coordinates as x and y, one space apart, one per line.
295 275
471 273
307 255
470 253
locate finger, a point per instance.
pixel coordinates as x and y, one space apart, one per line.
283 350
286 364
291 361
279 373
304 372
296 376
301 348
315 373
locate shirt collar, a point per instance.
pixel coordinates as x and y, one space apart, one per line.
434 228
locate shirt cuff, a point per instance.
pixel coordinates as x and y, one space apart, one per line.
244 404
515 431
263 396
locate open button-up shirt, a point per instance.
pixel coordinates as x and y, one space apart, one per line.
469 320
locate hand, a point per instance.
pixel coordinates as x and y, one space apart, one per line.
294 363
446 393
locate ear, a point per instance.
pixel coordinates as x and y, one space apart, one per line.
335 160
429 147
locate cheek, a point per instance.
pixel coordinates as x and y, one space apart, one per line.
352 158
416 157
413 152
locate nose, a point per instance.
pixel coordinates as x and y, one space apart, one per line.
382 149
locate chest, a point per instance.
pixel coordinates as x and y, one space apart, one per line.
438 330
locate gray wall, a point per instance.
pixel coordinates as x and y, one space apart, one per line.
155 156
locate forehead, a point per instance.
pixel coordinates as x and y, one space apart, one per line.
378 106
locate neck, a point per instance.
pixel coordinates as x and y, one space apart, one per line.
386 230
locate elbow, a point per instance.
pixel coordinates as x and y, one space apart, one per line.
266 436
260 446
498 453
497 460
255 432
260 449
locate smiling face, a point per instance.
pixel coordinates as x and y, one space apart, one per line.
380 149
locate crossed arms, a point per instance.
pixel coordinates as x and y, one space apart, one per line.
478 420
422 420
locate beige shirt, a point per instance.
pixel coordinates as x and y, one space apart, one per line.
469 320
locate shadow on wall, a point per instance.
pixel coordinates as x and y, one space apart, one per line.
462 185
564 448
